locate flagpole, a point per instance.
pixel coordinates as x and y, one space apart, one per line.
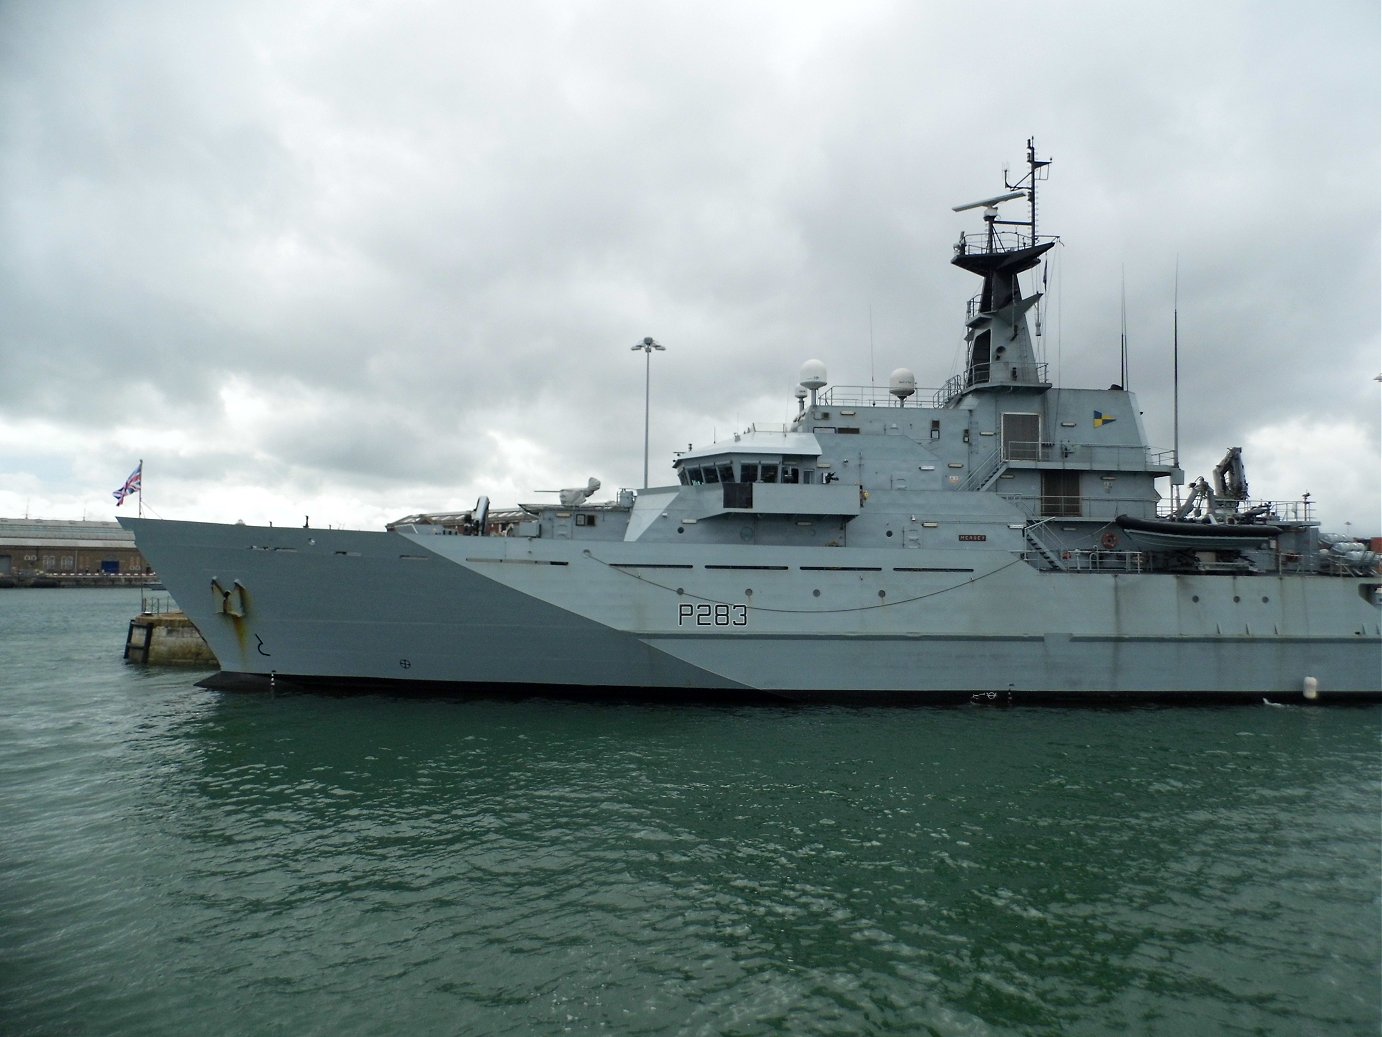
1175 384
141 487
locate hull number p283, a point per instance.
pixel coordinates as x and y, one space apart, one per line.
712 614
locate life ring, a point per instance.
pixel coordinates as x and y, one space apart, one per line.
1109 540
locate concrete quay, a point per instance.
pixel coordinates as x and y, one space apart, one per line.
166 639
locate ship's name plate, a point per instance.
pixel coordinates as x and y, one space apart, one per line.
976 538
712 614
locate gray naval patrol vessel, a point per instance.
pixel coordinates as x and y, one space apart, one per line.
1000 538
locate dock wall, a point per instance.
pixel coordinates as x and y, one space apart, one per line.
166 639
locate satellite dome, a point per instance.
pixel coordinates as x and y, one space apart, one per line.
813 374
902 383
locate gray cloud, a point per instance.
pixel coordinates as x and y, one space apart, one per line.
374 255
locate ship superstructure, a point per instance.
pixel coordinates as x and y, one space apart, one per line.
997 537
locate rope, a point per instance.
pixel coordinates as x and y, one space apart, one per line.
814 612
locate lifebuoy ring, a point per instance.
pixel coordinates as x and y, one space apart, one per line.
1109 540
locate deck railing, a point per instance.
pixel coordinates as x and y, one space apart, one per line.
866 396
1271 511
982 374
1003 241
1099 507
1087 457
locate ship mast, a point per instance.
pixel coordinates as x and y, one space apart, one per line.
1034 168
1000 352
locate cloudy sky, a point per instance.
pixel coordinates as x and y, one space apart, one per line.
354 260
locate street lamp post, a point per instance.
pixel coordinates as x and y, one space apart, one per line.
647 345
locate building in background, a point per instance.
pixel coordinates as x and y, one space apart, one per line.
56 552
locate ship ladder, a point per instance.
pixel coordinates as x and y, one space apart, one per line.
983 475
1052 558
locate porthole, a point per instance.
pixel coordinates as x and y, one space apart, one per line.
1195 598
816 593
882 594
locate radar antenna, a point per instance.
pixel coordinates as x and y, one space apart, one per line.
1026 187
990 203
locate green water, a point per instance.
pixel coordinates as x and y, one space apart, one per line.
177 861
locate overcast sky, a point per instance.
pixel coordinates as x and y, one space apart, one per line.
356 260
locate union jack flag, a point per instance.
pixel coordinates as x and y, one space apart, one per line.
131 485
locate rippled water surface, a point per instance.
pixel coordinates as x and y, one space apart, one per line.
178 861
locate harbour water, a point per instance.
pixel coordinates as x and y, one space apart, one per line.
179 861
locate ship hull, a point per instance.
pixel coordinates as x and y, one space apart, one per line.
345 609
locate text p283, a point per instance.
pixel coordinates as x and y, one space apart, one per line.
712 614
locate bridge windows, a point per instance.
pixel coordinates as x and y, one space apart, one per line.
720 472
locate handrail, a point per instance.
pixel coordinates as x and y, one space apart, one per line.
1034 534
1058 556
1272 511
983 471
1003 241
865 396
1089 456
1098 508
967 379
1099 560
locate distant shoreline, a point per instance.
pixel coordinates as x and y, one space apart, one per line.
77 580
